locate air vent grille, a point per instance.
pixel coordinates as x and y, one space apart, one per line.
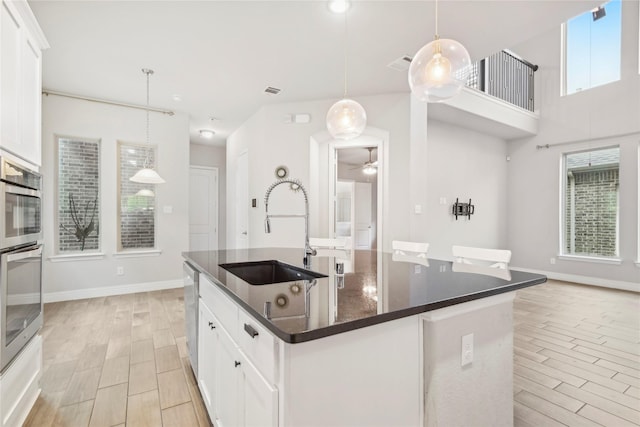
272 90
401 64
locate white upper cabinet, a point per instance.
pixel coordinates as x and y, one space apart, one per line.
21 45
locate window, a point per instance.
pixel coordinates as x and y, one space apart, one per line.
137 201
78 195
592 181
592 48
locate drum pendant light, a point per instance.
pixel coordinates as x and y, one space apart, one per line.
346 119
440 69
147 175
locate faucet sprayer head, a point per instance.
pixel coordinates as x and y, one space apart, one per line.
267 225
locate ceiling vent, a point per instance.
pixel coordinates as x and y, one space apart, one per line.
272 90
401 64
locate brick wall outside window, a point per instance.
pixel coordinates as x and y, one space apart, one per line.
137 212
78 177
594 209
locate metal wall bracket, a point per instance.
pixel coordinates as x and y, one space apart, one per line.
463 209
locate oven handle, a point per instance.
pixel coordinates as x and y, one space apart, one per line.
17 256
14 189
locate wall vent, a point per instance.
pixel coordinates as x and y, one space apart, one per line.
401 64
272 90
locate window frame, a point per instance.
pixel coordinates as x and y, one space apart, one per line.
134 252
89 253
562 252
564 83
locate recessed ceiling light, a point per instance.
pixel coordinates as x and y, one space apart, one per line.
207 133
177 98
339 6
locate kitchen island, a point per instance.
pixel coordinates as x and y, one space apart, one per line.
425 342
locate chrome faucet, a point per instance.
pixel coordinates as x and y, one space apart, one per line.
308 250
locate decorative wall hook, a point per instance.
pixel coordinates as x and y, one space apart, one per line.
463 209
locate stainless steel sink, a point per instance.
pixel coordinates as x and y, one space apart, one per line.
269 272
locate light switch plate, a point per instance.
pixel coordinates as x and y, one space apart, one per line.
167 209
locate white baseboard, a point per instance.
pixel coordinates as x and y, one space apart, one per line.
585 280
107 291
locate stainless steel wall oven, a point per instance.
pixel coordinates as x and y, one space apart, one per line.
20 258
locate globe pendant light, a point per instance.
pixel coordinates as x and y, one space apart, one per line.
147 175
440 69
346 119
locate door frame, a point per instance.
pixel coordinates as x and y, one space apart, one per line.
368 141
217 209
237 207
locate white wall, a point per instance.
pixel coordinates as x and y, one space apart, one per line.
468 165
86 278
215 157
271 142
453 162
585 120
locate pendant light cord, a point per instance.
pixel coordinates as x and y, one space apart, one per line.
346 38
148 72
437 36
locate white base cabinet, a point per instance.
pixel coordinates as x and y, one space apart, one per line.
207 350
405 372
235 391
20 384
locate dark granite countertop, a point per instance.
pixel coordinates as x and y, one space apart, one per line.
375 288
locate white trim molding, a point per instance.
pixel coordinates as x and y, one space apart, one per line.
107 291
594 259
585 280
90 256
137 253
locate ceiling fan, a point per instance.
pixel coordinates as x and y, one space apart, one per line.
369 167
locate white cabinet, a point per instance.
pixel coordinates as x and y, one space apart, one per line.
21 42
20 384
9 76
236 363
260 399
245 398
228 399
207 355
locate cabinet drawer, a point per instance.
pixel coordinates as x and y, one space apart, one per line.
221 305
257 343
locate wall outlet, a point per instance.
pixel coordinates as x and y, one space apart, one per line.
120 271
466 356
417 209
552 261
443 200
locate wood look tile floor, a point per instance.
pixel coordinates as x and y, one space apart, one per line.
122 360
117 361
576 356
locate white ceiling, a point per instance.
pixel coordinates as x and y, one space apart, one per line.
219 56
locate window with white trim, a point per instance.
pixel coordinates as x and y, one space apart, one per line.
592 48
78 195
137 213
591 203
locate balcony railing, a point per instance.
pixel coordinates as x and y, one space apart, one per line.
505 76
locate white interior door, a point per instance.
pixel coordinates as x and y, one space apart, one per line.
362 213
242 201
203 209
